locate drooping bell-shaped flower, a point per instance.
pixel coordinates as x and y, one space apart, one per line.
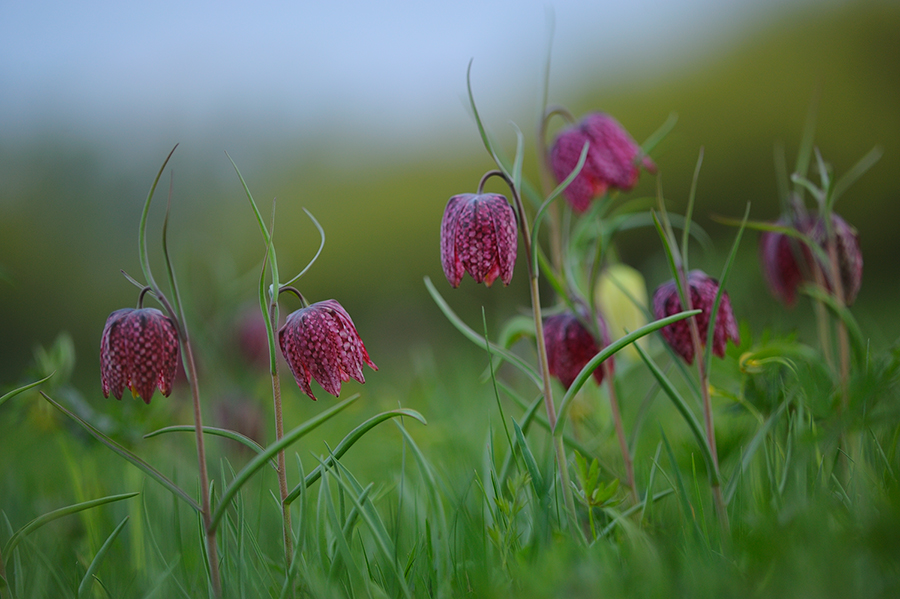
612 159
787 261
570 346
321 342
703 291
479 237
138 350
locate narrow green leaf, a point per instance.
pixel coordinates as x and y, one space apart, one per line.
537 479
211 430
519 158
538 217
347 442
804 154
142 228
271 451
752 447
605 353
128 455
56 514
857 171
15 392
680 405
714 313
477 339
690 208
657 136
170 271
842 312
88 577
481 130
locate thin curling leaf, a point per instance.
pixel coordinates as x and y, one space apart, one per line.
318 252
15 392
271 451
605 353
128 455
347 442
142 228
55 515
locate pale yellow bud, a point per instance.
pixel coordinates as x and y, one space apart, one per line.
621 296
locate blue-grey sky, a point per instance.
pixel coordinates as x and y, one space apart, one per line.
386 68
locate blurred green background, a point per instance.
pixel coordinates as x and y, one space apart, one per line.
70 199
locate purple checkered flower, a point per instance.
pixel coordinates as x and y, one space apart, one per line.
570 346
788 261
612 159
703 290
138 350
321 342
479 237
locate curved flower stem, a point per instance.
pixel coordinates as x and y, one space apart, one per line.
541 346
211 549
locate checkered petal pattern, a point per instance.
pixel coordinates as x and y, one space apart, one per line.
138 350
320 342
570 346
703 291
478 236
612 159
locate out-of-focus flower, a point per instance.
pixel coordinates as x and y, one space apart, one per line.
478 236
620 294
138 350
321 342
250 338
703 291
612 159
570 346
787 261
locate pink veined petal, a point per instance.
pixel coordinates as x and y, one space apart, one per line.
506 234
112 360
288 339
452 265
564 157
352 344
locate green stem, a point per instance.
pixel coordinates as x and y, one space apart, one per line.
282 473
211 549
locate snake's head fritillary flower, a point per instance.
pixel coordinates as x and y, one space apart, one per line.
612 159
321 342
703 291
570 346
138 350
479 237
788 261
